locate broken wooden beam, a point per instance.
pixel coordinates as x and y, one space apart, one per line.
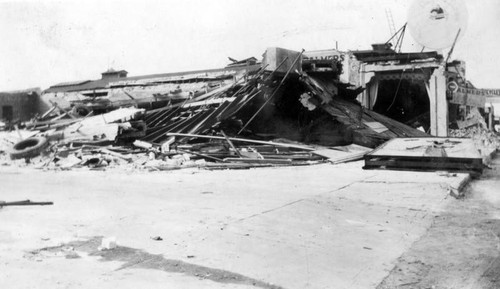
306 148
24 203
200 155
259 161
231 144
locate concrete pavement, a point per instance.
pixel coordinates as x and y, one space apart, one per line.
323 226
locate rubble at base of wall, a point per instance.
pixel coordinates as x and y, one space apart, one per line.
487 141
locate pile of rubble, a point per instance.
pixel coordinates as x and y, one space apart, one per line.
278 117
485 139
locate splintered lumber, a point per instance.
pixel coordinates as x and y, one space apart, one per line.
401 129
231 144
320 91
48 112
114 154
259 161
201 113
45 125
274 92
62 109
212 93
234 166
306 148
368 126
200 155
216 92
103 126
339 155
24 203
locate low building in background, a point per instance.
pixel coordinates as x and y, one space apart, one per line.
19 105
115 89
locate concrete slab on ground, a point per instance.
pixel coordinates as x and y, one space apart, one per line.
323 226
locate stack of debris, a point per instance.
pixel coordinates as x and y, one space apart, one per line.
486 140
277 117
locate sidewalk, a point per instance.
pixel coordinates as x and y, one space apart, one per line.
320 226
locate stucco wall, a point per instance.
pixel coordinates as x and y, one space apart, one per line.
24 103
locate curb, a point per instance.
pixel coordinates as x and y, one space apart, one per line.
463 183
491 155
458 192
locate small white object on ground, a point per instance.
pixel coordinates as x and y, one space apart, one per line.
108 244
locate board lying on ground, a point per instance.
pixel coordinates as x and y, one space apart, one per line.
430 154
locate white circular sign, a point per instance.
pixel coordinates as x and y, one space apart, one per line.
435 23
452 86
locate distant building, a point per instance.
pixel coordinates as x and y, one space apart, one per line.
19 105
116 89
113 74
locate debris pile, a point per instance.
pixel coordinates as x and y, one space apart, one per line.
280 117
485 140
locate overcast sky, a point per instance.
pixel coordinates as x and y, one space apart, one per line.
47 42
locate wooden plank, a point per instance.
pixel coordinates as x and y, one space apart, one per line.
400 129
396 163
230 109
249 98
336 156
189 122
430 159
160 131
306 148
155 119
376 126
169 116
212 93
258 161
211 122
221 109
203 120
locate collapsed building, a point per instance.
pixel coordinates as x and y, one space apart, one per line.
422 90
308 81
280 111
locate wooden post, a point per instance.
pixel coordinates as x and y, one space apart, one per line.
491 114
436 90
364 95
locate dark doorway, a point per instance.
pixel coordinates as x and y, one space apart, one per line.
405 101
7 112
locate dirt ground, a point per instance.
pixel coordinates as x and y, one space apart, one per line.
462 247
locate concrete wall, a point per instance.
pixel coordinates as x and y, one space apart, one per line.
23 104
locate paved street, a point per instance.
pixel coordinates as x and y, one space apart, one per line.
461 249
320 226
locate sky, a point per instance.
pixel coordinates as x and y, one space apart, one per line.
47 42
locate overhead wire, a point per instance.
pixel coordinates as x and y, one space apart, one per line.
399 85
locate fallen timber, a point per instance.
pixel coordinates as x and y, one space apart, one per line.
243 140
24 203
263 118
